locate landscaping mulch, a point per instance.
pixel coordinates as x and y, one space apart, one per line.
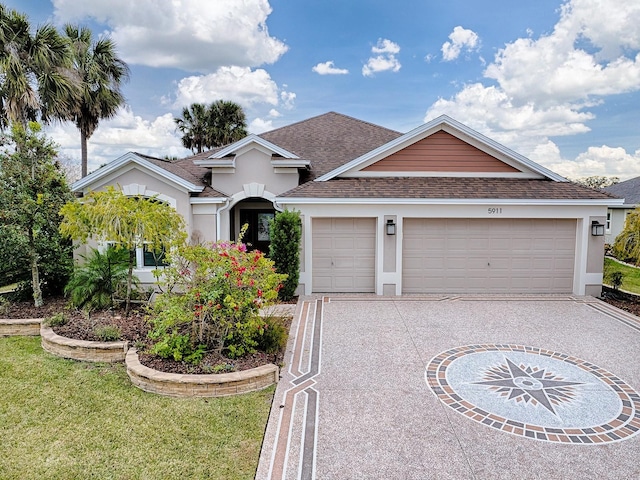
134 328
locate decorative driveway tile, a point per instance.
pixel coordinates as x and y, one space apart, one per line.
535 393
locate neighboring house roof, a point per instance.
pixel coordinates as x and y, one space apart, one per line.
629 190
445 187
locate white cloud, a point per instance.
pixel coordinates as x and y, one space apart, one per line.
461 39
117 136
386 46
288 99
328 68
603 160
259 125
544 87
239 84
385 60
187 34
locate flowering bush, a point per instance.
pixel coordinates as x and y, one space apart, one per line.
212 297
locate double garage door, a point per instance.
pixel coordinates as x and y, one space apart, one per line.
449 255
488 255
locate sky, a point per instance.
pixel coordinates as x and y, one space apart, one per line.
556 81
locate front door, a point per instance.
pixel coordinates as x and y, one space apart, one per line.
257 236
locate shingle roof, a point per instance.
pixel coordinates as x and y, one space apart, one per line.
629 190
445 187
187 170
330 140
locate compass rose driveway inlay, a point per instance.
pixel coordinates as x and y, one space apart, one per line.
456 387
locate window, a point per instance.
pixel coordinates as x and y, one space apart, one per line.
146 258
153 259
608 223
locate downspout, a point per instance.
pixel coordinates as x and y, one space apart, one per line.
218 226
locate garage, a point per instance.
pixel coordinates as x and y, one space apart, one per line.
488 255
343 255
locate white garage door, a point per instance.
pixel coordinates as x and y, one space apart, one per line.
343 254
488 255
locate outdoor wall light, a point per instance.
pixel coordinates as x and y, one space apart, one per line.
391 227
597 229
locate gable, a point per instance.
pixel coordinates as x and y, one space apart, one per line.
440 152
440 148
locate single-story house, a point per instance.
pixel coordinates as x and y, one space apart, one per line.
440 209
629 190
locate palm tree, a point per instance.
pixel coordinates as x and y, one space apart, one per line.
100 73
218 124
35 79
228 123
193 126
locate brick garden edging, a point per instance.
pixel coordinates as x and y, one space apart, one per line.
29 327
82 349
212 385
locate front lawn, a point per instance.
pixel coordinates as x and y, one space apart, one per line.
631 278
62 419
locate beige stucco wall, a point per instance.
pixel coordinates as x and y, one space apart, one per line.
589 250
254 166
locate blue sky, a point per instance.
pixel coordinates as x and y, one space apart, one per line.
557 81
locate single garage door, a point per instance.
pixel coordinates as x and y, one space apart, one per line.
343 254
488 255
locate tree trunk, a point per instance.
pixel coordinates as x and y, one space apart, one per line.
35 274
83 148
132 261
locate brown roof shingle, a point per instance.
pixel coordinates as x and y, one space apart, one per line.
330 140
445 187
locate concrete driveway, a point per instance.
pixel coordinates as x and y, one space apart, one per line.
459 387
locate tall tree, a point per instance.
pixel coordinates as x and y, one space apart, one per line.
203 127
128 222
32 191
193 126
35 80
100 74
597 182
227 123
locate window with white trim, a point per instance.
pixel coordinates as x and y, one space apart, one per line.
608 223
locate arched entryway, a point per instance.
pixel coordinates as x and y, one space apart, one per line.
256 213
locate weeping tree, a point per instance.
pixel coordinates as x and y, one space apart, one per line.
626 246
128 222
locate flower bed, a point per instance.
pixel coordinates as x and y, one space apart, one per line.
212 385
82 349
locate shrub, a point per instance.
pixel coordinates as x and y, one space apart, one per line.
178 347
615 278
57 320
284 250
107 333
217 292
95 282
272 336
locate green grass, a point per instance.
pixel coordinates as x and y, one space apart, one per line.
631 279
62 419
